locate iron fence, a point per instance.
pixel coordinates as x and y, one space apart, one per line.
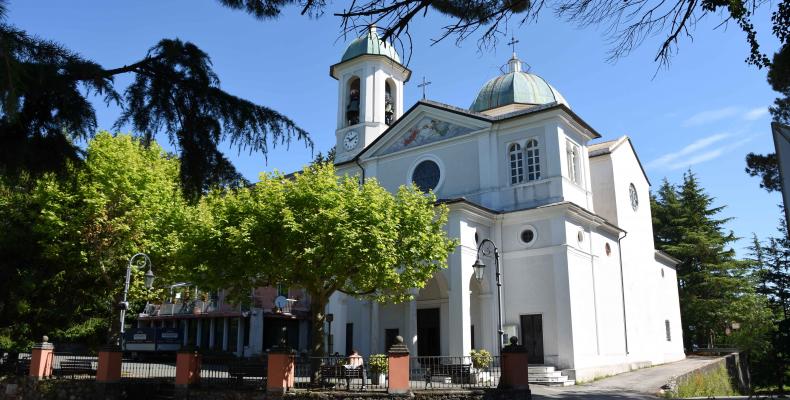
231 371
453 372
159 368
74 365
337 372
14 363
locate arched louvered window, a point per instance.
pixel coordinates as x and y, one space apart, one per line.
516 164
532 154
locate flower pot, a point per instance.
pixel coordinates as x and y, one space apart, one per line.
378 378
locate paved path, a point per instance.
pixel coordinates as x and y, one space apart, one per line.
639 384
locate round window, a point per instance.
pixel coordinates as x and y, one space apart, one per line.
580 236
426 175
608 249
527 236
634 197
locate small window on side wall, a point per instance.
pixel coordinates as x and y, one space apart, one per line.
669 334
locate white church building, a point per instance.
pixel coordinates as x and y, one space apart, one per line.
583 287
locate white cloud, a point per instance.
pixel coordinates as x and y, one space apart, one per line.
755 113
706 117
699 151
670 158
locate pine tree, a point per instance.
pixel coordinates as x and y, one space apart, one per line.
716 290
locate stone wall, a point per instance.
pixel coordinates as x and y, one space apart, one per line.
737 368
62 389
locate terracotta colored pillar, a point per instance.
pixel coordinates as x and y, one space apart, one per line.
187 368
398 368
515 367
41 359
109 368
280 372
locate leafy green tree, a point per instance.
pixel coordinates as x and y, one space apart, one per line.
321 232
715 288
67 240
45 111
771 261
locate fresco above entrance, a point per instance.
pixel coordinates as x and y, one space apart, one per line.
426 130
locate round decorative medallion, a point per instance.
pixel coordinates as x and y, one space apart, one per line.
633 196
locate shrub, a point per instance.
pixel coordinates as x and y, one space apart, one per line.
481 358
378 363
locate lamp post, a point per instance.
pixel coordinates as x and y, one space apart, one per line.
149 281
487 248
329 340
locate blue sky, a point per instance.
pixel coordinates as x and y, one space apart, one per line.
706 112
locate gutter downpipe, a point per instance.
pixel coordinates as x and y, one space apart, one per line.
622 290
356 161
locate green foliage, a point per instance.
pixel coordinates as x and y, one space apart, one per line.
715 289
321 232
767 168
713 383
44 108
771 267
66 240
481 358
378 363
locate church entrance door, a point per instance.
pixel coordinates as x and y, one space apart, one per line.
428 332
532 337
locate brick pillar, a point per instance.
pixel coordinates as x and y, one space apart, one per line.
187 368
41 360
280 370
109 368
515 368
398 368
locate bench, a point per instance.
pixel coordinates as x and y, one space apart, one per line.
75 366
242 370
339 371
458 373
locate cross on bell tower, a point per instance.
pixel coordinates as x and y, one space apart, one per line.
512 43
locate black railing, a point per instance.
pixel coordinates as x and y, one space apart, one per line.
451 372
13 363
230 371
74 365
339 373
162 368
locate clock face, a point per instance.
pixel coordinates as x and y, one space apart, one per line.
351 140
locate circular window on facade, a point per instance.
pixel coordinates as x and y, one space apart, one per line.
633 196
608 249
580 236
527 236
426 175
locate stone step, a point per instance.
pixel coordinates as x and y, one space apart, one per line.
548 376
545 374
540 368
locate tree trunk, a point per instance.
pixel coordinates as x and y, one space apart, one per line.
317 311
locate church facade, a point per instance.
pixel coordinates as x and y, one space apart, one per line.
582 285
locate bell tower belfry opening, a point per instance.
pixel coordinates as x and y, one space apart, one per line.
370 92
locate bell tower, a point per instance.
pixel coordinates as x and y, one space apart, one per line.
370 93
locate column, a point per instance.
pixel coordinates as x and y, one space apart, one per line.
487 332
186 330
256 331
199 337
374 328
211 329
240 338
398 368
410 324
225 329
187 368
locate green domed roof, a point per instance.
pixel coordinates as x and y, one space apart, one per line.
370 44
515 87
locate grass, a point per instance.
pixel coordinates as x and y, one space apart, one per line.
706 384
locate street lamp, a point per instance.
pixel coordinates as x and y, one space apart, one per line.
329 341
487 248
149 282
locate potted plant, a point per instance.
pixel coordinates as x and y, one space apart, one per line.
481 360
378 368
